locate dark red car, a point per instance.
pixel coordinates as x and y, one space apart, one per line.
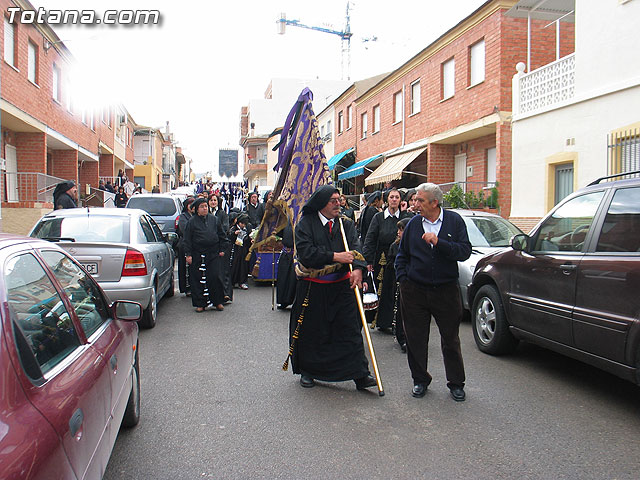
572 285
69 374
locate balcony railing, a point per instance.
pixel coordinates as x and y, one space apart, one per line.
544 87
28 187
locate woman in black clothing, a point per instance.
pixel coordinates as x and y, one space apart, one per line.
221 215
380 235
204 244
286 285
374 201
183 272
121 198
345 209
390 277
239 236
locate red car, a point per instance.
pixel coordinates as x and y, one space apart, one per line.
69 374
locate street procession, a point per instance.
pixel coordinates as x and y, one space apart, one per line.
231 253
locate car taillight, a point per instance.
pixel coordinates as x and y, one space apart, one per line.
134 264
176 223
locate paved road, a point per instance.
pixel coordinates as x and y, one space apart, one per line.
216 404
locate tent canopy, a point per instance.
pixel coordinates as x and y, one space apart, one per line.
357 168
333 161
392 168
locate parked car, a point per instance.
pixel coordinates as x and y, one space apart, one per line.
123 248
69 365
572 284
488 233
163 207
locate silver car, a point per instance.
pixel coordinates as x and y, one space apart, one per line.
122 248
163 207
488 233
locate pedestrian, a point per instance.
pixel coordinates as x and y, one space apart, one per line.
109 187
286 281
427 270
254 210
328 343
220 214
120 179
382 231
346 210
101 185
398 328
183 271
65 195
374 202
204 245
121 198
239 235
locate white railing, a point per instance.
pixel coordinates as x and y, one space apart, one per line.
28 187
544 87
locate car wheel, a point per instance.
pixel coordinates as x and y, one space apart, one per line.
490 327
169 293
150 313
132 413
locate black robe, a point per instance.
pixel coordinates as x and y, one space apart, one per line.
64 200
381 234
330 345
286 286
365 221
183 272
255 214
239 267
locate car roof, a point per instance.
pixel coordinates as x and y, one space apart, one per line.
11 239
472 213
154 195
626 182
96 211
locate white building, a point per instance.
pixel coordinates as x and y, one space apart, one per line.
578 118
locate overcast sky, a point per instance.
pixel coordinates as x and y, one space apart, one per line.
204 62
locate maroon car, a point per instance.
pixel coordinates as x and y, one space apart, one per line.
572 285
69 374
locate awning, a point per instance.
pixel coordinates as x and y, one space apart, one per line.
333 161
357 168
392 168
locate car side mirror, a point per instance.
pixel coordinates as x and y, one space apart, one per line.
520 242
171 238
126 311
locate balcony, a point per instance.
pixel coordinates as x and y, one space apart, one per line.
545 88
256 165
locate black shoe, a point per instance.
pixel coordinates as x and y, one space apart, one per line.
419 390
457 393
403 347
365 382
306 381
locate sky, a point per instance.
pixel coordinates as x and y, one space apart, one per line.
202 63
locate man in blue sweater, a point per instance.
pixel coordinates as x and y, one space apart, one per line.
427 270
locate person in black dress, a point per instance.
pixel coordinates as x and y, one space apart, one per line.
183 272
121 198
381 234
239 236
221 215
328 343
286 285
345 210
204 245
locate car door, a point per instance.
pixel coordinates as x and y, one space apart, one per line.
113 340
607 309
66 379
543 281
162 248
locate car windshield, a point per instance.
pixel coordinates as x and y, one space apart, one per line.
490 231
84 229
160 206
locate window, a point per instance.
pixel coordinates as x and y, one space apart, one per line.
92 120
32 63
322 131
349 117
564 181
84 229
329 127
491 165
624 151
57 77
476 63
376 118
67 96
566 229
156 229
448 79
146 229
42 325
397 107
415 97
9 42
84 117
364 124
340 124
83 293
621 228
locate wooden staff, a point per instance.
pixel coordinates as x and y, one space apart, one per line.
356 290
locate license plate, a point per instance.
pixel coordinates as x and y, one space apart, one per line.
92 268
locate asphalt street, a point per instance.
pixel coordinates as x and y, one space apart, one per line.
216 404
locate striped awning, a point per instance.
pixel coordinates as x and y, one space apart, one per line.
333 161
357 168
392 168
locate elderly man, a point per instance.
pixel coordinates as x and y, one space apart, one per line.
65 195
255 210
329 344
427 270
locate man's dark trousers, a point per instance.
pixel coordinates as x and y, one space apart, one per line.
419 303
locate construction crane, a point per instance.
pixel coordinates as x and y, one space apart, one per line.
345 35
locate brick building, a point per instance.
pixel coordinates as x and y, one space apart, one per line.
444 116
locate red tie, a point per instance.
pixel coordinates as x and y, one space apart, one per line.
330 226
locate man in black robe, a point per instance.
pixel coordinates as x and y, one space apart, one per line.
254 210
329 346
374 201
204 237
64 195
